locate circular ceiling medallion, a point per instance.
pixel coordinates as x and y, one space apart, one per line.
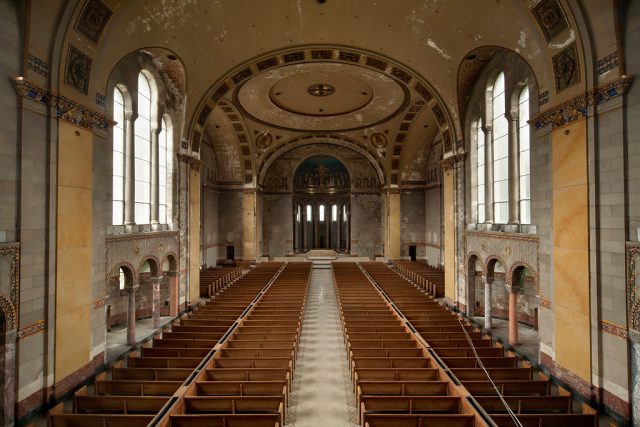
321 96
263 140
321 89
379 140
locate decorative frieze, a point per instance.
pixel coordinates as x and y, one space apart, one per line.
449 162
98 304
193 162
614 329
607 63
545 303
577 108
38 65
64 108
512 250
30 330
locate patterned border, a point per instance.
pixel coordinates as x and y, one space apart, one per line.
633 302
30 330
614 329
576 108
38 65
607 63
98 304
449 162
193 162
64 108
11 305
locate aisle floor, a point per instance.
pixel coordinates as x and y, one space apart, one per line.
322 392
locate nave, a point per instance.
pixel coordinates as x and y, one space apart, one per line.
289 345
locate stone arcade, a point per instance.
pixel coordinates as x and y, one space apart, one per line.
167 167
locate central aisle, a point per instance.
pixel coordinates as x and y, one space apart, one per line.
322 392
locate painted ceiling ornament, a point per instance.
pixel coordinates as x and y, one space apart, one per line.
550 18
565 67
93 19
379 140
78 69
264 140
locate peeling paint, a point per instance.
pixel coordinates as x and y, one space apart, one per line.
438 49
567 42
522 41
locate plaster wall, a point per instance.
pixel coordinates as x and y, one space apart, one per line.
210 220
194 235
412 224
433 226
73 270
366 226
230 223
571 249
278 225
449 235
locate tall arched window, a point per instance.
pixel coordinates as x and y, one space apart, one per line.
500 153
165 150
118 158
524 160
142 152
480 160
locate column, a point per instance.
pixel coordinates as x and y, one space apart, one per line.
155 172
8 394
513 313
488 174
131 315
129 170
514 169
156 303
487 302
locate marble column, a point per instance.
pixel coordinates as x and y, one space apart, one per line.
8 392
488 321
514 169
634 339
131 315
129 170
156 303
513 313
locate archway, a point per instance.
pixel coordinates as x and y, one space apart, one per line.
321 202
170 278
122 287
475 289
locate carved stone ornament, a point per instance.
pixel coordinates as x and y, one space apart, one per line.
64 108
379 140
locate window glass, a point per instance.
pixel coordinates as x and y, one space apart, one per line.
142 153
309 212
500 152
321 213
118 158
334 213
480 171
524 156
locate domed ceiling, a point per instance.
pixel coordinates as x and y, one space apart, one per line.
321 174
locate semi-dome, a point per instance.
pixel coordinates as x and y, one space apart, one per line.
321 174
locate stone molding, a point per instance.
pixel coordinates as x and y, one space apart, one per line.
193 162
511 250
448 163
577 108
64 108
613 329
30 330
11 305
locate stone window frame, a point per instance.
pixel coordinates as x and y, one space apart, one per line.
157 117
518 75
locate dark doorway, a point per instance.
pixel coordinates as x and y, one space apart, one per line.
413 253
230 252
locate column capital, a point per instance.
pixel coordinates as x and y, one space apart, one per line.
513 288
487 279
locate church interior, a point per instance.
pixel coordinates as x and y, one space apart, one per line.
319 213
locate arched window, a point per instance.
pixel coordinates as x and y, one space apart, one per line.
118 158
309 213
165 151
334 213
142 152
524 160
480 160
321 213
299 213
500 153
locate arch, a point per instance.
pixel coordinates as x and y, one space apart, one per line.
171 261
238 76
8 314
331 162
490 264
154 264
131 276
478 257
511 273
315 139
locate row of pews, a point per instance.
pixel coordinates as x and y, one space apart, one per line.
526 390
212 280
397 383
227 363
429 279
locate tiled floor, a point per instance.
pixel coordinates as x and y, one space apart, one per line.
529 339
322 391
117 338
